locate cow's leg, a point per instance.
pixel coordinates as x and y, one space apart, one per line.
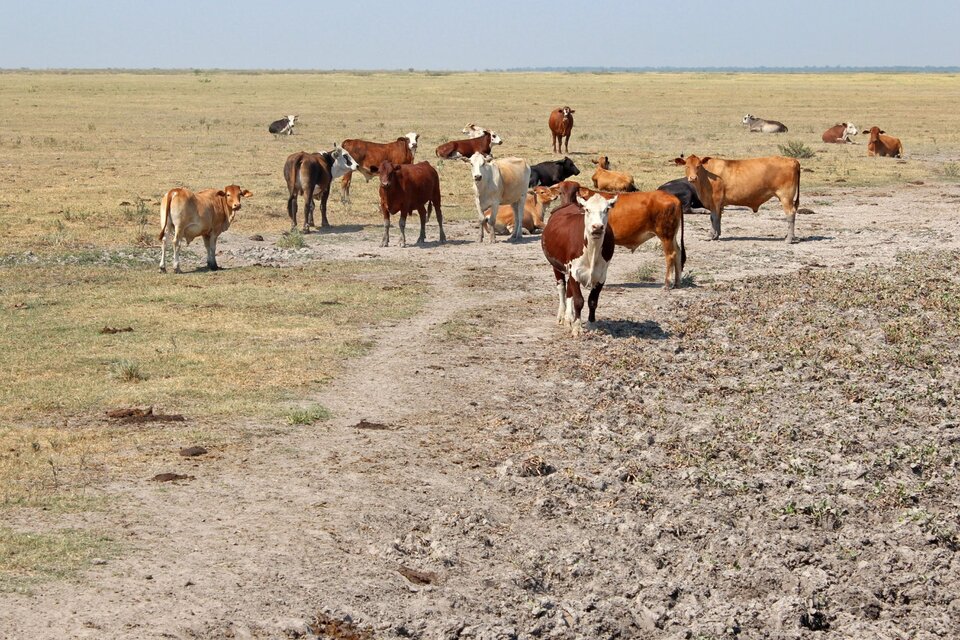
422 210
574 306
177 239
492 221
562 293
439 213
592 300
163 247
210 242
715 217
345 187
308 206
483 219
292 211
672 258
386 228
518 218
566 143
791 212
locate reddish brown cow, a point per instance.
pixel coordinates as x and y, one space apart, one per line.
370 155
406 187
482 144
883 145
840 133
561 124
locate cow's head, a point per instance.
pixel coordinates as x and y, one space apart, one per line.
494 137
292 119
850 129
596 212
234 194
566 111
691 165
387 173
545 195
478 163
875 133
412 139
343 162
603 162
747 118
568 166
472 130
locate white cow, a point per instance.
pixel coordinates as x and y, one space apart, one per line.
499 181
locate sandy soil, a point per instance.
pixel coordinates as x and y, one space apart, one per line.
696 468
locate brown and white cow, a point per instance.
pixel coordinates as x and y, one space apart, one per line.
561 124
532 212
456 149
607 180
578 244
369 155
495 181
883 145
405 188
310 175
840 133
749 182
207 213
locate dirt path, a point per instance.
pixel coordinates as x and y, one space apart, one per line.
328 518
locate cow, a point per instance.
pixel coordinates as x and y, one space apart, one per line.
532 212
549 173
883 145
310 175
749 182
607 180
282 126
561 124
578 244
840 133
639 216
683 189
369 155
405 187
206 213
466 148
759 125
473 130
495 181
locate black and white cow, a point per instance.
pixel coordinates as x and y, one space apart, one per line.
283 126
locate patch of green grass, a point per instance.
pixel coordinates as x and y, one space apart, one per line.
127 371
310 415
951 170
27 559
646 273
796 149
293 239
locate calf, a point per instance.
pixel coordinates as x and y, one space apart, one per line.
840 133
282 126
206 213
310 175
549 173
532 212
369 155
883 145
406 187
495 181
607 180
683 189
759 125
749 182
561 125
578 244
466 148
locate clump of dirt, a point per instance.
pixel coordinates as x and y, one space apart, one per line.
135 415
324 626
192 452
170 477
112 330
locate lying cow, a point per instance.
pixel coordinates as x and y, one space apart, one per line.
532 212
466 148
370 155
494 181
883 145
473 130
840 133
749 182
282 126
683 189
578 244
759 125
561 125
607 180
549 173
405 188
310 175
206 213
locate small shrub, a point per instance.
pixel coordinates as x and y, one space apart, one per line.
127 371
645 273
292 240
951 170
316 413
796 149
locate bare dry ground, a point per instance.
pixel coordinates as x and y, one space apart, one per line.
769 451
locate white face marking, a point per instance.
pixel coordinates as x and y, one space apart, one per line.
412 140
746 119
476 166
851 129
596 212
495 138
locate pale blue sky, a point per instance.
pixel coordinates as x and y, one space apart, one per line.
455 35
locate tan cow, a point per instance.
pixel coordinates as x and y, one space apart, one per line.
206 213
749 182
606 180
496 181
883 145
532 212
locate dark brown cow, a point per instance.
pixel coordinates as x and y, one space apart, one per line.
883 145
369 155
578 244
406 187
482 144
310 175
561 124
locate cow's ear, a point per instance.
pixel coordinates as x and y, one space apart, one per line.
703 160
221 193
581 201
573 110
882 131
679 161
612 202
246 194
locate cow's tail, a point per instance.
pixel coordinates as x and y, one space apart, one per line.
165 212
796 200
429 209
683 248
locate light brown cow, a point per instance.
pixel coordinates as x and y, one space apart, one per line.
561 125
532 212
883 145
206 213
607 180
749 182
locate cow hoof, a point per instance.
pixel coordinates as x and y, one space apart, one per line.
791 241
213 267
177 270
163 269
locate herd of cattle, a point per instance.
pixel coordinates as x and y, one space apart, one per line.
578 237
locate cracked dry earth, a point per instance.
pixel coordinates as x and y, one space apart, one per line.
768 452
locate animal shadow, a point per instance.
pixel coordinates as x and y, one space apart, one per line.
647 329
339 228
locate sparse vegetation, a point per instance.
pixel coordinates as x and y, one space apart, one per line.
292 239
127 371
309 415
796 149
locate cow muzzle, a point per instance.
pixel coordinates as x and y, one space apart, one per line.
477 178
596 230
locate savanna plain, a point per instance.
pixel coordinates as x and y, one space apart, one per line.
401 442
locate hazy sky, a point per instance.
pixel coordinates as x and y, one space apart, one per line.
483 34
